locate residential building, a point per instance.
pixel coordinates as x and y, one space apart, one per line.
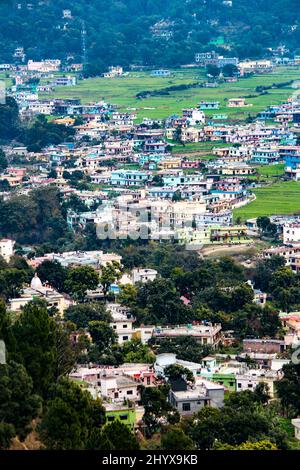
204 333
265 156
122 322
36 290
143 275
192 399
161 73
129 178
250 379
267 346
120 412
119 388
7 248
237 103
291 233
296 424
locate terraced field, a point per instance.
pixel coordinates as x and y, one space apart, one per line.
277 198
122 91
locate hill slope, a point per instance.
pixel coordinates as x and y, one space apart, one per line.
147 32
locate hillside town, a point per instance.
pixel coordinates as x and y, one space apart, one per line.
150 259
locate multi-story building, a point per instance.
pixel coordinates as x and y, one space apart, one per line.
122 322
6 248
192 399
207 334
129 178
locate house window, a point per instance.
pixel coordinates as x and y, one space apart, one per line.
148 380
123 417
186 407
125 326
129 392
250 385
239 385
110 418
125 338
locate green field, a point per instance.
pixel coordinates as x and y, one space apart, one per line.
201 147
271 170
278 198
121 91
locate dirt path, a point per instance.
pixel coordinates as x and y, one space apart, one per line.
213 250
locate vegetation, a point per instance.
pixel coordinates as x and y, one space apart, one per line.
123 92
129 33
278 198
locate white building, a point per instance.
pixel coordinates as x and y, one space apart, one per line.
296 424
250 379
206 334
143 275
122 322
119 388
47 65
194 116
7 248
36 290
167 359
203 393
291 233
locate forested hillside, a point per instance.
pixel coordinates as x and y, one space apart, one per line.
147 32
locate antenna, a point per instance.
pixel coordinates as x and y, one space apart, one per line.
83 44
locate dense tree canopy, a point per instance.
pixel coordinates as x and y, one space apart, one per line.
147 32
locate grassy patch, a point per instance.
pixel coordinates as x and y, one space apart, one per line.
271 170
278 198
286 425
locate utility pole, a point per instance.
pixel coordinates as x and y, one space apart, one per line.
83 44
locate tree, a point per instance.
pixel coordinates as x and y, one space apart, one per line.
176 196
241 296
53 273
157 408
7 432
109 274
103 335
288 389
11 281
6 333
83 314
262 223
206 428
176 372
260 445
176 440
70 418
3 161
136 352
66 351
19 405
262 393
35 332
79 280
264 271
213 71
230 70
158 302
117 436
